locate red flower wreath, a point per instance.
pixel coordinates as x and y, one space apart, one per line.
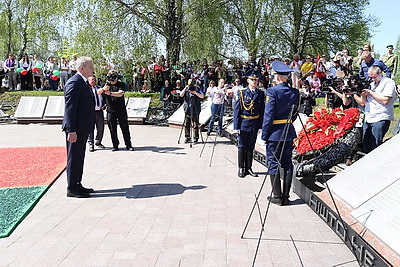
325 128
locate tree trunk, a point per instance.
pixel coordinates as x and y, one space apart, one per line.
173 30
9 30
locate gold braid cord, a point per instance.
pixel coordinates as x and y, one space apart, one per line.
244 105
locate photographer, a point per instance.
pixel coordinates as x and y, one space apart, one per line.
336 96
114 91
379 108
192 105
307 100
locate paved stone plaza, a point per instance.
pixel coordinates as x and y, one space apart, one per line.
162 205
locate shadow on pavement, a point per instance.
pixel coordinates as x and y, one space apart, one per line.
157 149
146 191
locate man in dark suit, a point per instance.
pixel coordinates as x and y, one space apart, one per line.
78 123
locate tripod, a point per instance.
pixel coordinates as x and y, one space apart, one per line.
281 143
210 126
193 116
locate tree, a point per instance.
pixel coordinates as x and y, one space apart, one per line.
250 23
311 26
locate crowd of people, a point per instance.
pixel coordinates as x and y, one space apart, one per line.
266 95
34 74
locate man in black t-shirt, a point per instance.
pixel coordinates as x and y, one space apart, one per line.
114 91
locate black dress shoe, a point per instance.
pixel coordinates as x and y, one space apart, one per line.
130 148
275 200
91 149
242 173
100 145
77 194
84 189
114 149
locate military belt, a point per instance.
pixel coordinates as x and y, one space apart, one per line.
281 121
249 117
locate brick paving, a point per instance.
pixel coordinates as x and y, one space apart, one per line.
162 205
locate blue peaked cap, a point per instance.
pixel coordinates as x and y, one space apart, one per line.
281 68
252 74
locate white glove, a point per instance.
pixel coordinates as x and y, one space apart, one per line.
236 132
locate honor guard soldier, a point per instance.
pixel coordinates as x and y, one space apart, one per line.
248 118
281 106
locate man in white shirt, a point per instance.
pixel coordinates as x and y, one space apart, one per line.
379 108
98 107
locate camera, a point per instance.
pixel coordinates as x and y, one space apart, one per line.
355 84
192 88
112 77
330 82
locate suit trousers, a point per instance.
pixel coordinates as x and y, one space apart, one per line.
75 160
99 127
122 119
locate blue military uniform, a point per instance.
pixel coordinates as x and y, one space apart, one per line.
248 118
281 106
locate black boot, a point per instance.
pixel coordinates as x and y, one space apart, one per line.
249 163
241 158
276 189
287 183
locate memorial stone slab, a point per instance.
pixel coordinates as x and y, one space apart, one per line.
368 176
55 107
205 113
31 107
381 215
137 107
179 115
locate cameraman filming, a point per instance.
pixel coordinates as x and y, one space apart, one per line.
192 96
114 91
379 108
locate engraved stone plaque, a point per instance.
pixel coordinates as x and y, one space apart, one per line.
31 107
205 113
381 215
371 174
137 107
179 115
55 107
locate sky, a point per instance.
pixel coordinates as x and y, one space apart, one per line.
388 32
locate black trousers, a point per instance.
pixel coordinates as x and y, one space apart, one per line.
122 119
75 160
192 120
99 127
38 82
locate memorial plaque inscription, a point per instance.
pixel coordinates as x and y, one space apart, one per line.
31 107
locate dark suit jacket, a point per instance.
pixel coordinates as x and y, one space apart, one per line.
79 114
